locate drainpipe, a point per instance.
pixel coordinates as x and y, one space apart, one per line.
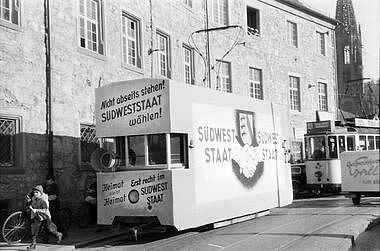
49 132
151 37
208 48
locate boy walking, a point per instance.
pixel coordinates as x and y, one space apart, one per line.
39 208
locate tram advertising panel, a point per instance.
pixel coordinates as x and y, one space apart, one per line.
235 153
360 171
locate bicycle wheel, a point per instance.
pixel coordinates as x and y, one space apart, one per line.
66 218
15 227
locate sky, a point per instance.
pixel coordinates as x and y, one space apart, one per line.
367 13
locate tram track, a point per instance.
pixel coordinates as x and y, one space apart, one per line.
167 240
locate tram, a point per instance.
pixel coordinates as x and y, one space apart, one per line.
188 156
325 141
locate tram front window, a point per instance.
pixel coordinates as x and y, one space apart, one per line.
342 144
316 148
333 153
351 143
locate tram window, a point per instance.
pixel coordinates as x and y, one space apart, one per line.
371 142
136 150
362 142
120 150
157 149
351 143
177 148
333 153
377 139
316 146
342 144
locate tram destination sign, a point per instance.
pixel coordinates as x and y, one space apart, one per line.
320 126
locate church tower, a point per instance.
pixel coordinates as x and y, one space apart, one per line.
349 59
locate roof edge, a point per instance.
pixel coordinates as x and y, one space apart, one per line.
300 7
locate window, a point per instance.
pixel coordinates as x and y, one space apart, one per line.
355 53
342 144
292 34
321 43
88 142
315 148
253 21
131 40
371 142
188 3
362 142
346 54
9 130
145 150
188 62
377 142
220 11
178 146
223 81
255 83
10 11
163 42
91 25
322 96
351 143
136 150
157 149
294 86
333 153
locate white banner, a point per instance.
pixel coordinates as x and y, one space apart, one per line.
132 107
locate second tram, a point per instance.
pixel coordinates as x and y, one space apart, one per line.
324 143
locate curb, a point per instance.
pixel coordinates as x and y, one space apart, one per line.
373 223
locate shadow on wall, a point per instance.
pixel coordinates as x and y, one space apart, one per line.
31 167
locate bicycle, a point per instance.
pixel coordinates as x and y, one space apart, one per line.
17 225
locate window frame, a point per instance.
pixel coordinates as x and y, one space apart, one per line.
220 84
292 35
256 31
190 65
125 18
166 53
322 97
17 166
255 85
99 143
346 54
169 164
14 21
219 6
321 43
188 3
294 105
100 28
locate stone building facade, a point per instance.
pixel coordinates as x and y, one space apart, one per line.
275 50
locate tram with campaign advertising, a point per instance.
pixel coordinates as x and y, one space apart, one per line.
325 143
187 156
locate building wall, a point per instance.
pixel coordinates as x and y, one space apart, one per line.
77 72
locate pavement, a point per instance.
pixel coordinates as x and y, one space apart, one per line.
365 235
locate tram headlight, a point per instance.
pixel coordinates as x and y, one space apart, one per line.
133 196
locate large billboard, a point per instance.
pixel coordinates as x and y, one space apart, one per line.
236 151
132 107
